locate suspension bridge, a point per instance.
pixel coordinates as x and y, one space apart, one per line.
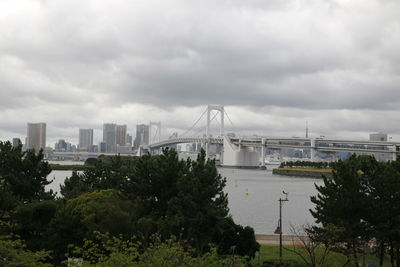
250 151
245 151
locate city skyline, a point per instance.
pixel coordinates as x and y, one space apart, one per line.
273 64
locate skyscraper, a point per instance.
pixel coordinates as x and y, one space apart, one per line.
142 135
85 139
110 136
36 136
121 135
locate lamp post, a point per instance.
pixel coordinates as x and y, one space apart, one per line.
279 228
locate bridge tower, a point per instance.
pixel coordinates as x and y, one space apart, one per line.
220 109
156 135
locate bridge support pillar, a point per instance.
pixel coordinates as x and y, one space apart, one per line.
312 149
262 153
394 154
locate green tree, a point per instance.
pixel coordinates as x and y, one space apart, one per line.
383 217
31 222
103 211
23 175
108 251
340 206
13 252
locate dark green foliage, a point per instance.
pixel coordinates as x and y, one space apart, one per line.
32 222
91 162
341 204
106 211
74 186
361 203
23 175
171 197
13 252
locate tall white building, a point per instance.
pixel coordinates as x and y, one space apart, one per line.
110 136
36 136
85 138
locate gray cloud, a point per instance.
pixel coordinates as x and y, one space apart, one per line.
79 64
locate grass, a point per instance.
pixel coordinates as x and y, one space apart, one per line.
307 169
334 259
59 167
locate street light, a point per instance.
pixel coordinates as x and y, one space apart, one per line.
279 228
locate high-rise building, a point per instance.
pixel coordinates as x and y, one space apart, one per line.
121 135
110 136
85 139
36 136
61 145
129 139
142 135
16 142
102 147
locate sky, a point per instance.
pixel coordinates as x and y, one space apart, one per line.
273 64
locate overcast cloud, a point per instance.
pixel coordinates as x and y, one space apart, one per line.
274 64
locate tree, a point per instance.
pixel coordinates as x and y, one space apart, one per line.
383 217
107 251
23 175
13 252
32 220
170 197
106 211
340 206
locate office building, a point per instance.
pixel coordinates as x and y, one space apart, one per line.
102 148
36 136
60 146
378 137
129 139
121 135
110 136
142 136
85 139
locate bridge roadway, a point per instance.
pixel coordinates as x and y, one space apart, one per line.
321 145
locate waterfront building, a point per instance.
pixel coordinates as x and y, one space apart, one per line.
16 142
121 135
110 136
142 136
85 139
36 136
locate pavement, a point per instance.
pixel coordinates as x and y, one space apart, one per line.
286 239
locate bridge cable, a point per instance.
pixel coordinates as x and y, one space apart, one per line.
228 117
202 129
194 123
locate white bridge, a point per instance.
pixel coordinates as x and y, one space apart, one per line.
250 151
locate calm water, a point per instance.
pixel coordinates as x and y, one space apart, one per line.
253 197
